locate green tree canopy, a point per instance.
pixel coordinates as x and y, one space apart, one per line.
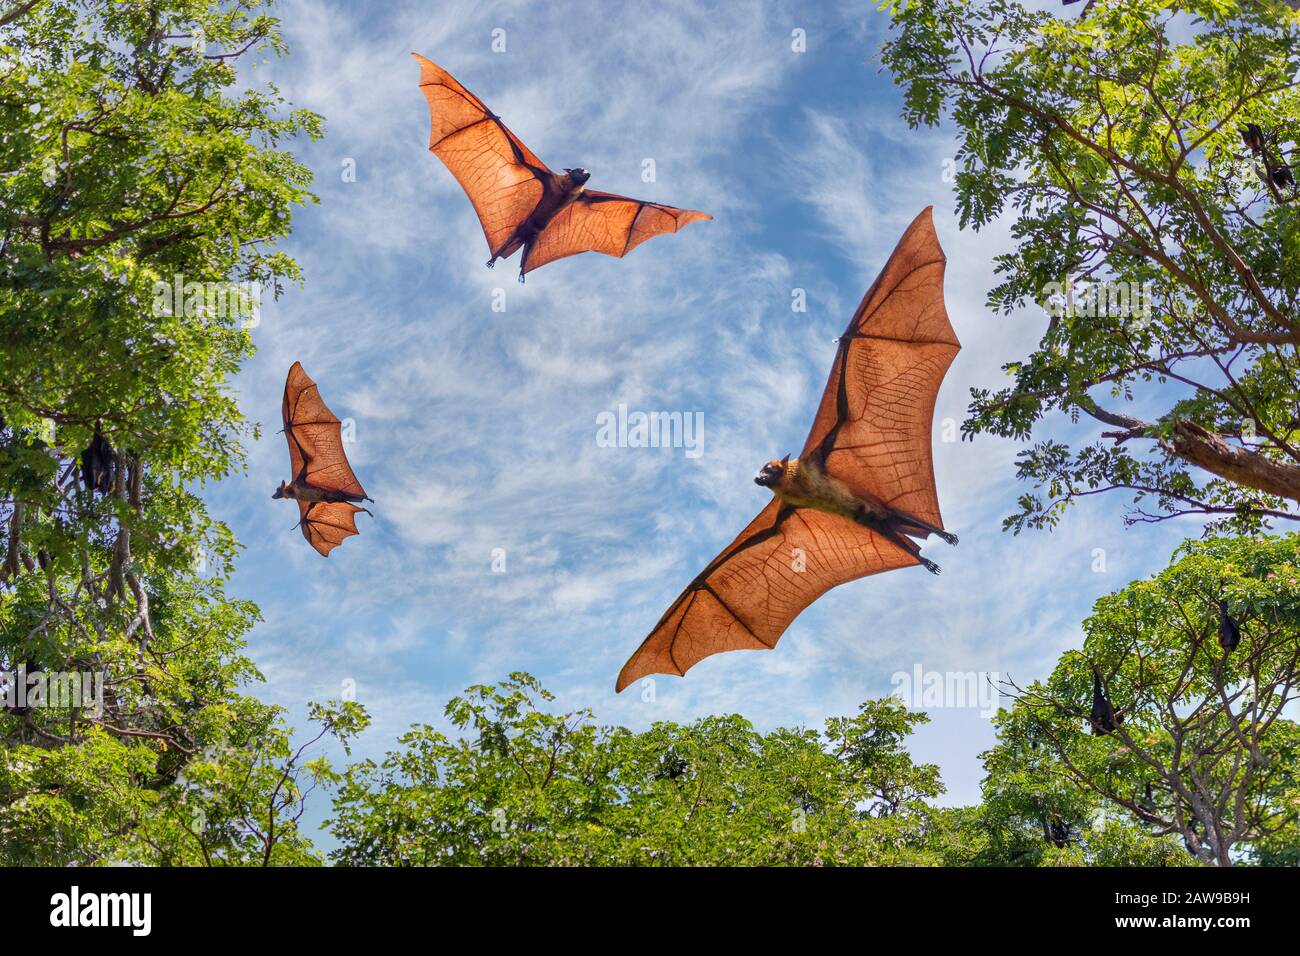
520 785
1114 142
134 159
1201 749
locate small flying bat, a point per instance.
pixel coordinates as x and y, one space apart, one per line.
860 490
520 202
323 483
1229 629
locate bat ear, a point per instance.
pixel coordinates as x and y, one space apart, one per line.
785 461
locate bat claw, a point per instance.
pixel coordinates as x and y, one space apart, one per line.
491 263
948 536
929 565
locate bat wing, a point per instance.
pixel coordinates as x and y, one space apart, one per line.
315 437
603 222
500 175
326 523
749 594
873 427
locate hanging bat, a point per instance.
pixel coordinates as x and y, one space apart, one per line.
520 202
97 464
1253 136
323 483
860 490
1229 629
1281 176
1104 717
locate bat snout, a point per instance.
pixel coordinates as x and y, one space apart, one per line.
578 175
770 475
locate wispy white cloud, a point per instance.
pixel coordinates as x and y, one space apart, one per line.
476 429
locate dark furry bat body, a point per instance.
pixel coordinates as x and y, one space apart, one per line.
1229 630
1103 717
520 202
98 464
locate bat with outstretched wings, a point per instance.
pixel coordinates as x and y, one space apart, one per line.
520 202
323 483
859 492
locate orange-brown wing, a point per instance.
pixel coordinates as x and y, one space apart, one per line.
603 222
501 176
315 437
872 430
750 593
326 523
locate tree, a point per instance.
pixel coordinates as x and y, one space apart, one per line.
521 786
144 188
1200 747
1119 151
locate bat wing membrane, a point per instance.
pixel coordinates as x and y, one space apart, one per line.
500 175
604 222
749 594
325 524
315 437
873 426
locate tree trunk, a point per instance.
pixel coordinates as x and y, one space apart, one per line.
1203 448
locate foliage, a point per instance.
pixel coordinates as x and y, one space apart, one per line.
134 158
524 786
1202 750
1113 143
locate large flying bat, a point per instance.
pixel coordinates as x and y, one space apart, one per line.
520 202
860 490
323 483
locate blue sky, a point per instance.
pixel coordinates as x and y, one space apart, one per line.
476 429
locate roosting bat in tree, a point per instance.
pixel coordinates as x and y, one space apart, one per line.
520 202
323 483
1229 630
1253 136
863 484
1104 717
97 464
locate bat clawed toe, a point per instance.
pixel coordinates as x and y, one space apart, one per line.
929 565
491 263
947 536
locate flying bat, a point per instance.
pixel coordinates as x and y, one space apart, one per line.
859 492
323 483
520 202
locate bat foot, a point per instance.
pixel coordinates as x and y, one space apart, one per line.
491 263
929 565
947 536
521 278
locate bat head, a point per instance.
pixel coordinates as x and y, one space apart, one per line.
281 491
771 474
578 175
